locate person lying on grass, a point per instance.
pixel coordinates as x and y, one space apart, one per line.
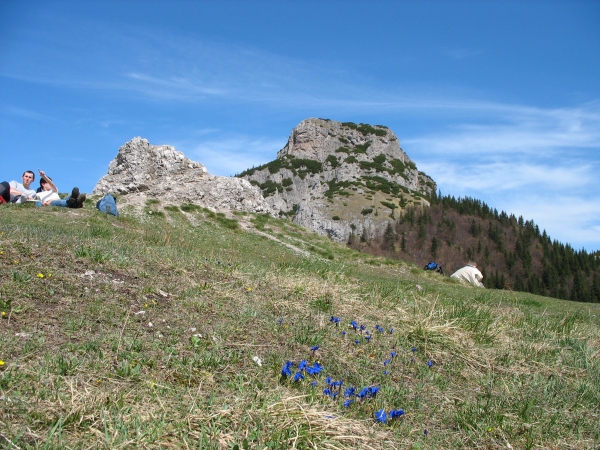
48 196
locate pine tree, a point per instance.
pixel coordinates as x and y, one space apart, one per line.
389 237
595 291
578 292
422 232
434 247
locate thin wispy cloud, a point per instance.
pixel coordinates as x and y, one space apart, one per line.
498 177
572 219
26 113
231 154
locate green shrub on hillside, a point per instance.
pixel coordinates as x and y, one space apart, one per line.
333 161
361 148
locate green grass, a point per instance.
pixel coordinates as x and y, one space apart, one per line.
140 331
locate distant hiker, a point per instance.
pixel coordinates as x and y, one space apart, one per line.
434 266
470 274
21 192
48 196
4 192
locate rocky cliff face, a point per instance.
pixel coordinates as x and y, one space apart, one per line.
341 178
159 171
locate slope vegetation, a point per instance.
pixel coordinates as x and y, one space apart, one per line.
182 328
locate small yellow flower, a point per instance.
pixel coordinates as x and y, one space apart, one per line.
249 289
40 275
145 305
1 363
3 313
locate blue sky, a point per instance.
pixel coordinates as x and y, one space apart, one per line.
496 100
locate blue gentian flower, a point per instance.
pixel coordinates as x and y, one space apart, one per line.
395 413
313 384
280 320
363 393
429 363
414 349
354 324
328 380
381 416
347 403
392 354
391 330
363 328
350 392
368 337
286 370
314 369
386 372
368 392
344 333
425 432
298 376
302 364
335 320
327 391
315 348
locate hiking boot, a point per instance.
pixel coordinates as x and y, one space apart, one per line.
75 193
80 201
72 202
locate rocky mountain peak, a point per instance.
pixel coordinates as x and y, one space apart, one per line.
318 138
141 169
339 178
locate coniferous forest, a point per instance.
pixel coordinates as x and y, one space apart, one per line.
511 253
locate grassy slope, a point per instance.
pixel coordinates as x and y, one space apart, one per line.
83 367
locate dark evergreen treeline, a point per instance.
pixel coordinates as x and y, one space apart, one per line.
511 252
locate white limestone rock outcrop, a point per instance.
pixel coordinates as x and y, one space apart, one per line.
341 178
160 171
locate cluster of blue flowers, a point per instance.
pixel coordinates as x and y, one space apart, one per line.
360 328
303 368
333 388
381 416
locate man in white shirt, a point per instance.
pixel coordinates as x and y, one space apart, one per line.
470 274
21 192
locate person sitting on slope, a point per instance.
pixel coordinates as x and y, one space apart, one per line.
470 274
48 196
